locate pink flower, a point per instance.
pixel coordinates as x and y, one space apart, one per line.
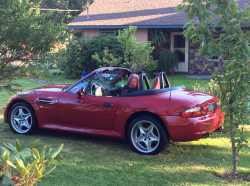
152 58
156 61
149 59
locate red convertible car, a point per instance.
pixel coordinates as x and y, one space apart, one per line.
99 104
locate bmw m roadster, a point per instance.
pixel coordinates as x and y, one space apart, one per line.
113 102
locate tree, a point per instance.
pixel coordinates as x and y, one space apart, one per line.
135 52
66 16
25 34
231 45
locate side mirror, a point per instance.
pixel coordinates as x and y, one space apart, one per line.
79 94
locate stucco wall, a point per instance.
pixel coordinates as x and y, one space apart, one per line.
91 32
141 34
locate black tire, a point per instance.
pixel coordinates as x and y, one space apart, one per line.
155 137
22 122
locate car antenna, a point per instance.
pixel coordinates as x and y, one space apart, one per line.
171 83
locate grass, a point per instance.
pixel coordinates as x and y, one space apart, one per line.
91 160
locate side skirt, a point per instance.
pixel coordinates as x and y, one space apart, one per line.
75 129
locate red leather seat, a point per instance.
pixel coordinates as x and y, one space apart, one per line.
132 85
156 83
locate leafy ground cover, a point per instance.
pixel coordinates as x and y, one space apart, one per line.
91 160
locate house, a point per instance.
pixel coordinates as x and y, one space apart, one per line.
109 16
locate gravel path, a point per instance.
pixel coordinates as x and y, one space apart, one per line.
42 81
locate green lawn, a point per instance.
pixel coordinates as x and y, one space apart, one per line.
90 160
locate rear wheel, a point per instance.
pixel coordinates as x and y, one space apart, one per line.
22 119
147 136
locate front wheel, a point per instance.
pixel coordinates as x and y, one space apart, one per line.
22 119
147 136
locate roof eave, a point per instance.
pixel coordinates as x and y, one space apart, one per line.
124 26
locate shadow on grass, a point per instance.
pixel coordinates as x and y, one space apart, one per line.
93 160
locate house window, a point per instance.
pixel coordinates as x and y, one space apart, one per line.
109 32
179 47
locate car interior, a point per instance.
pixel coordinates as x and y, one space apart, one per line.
134 83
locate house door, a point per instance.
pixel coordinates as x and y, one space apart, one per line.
179 45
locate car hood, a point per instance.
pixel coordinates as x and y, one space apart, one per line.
51 92
50 88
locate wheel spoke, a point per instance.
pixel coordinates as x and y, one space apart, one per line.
17 119
20 112
26 116
154 138
19 125
142 130
150 129
148 144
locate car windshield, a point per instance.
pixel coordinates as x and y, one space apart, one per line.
110 78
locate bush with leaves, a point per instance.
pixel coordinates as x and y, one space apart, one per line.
99 43
78 54
108 60
25 166
167 62
77 58
136 53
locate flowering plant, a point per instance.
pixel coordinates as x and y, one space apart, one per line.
151 64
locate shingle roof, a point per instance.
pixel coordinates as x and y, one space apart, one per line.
146 13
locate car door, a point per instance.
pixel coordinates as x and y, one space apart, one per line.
95 112
90 111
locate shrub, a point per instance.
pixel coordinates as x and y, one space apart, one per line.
167 62
77 57
136 53
25 166
106 42
108 60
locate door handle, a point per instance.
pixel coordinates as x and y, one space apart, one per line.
107 105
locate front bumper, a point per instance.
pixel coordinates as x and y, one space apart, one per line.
190 129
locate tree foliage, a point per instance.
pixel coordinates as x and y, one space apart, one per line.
58 16
135 52
232 45
25 34
83 54
108 60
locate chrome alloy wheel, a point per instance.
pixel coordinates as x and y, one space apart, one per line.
21 119
145 136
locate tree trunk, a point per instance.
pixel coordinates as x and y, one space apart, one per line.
234 173
220 66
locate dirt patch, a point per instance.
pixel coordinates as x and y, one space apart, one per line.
226 177
42 82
